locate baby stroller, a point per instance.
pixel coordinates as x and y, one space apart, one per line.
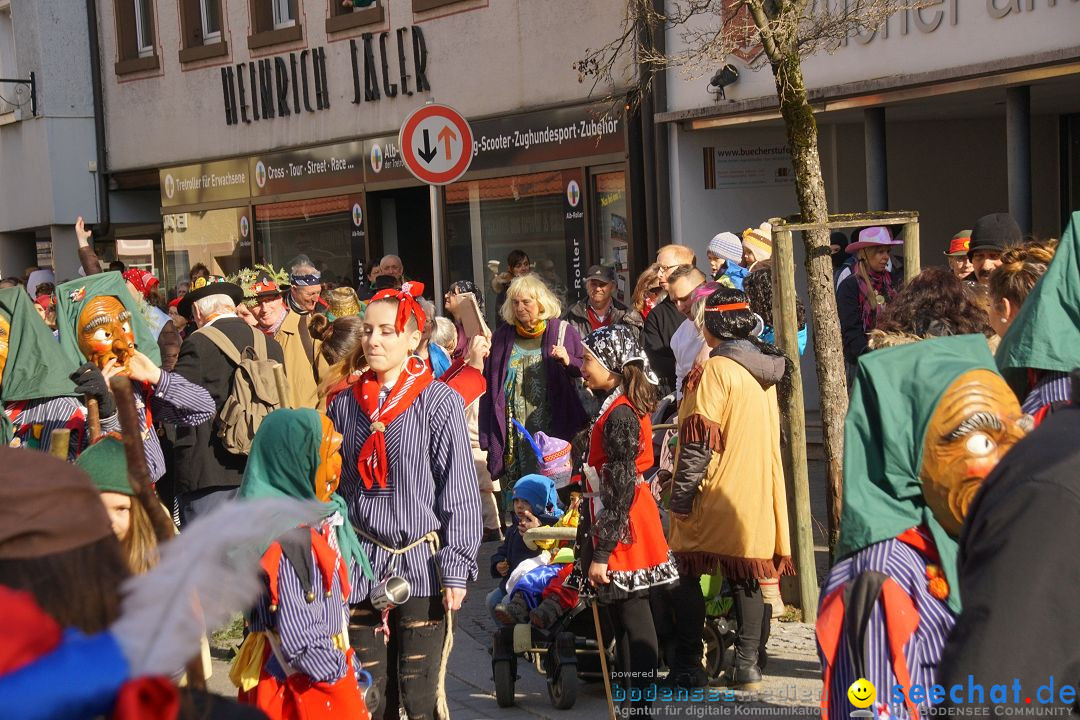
563 653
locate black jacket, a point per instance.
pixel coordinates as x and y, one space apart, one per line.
1018 571
201 461
656 334
852 331
577 315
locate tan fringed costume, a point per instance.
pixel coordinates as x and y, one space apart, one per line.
729 477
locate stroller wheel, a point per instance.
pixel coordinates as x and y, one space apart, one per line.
503 672
714 651
562 687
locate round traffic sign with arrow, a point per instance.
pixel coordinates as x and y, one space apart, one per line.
436 144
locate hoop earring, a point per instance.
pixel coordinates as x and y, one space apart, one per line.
422 365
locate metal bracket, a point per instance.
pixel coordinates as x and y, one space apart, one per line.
32 82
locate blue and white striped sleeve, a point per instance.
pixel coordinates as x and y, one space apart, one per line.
457 491
307 628
179 401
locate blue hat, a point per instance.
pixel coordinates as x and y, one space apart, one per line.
539 492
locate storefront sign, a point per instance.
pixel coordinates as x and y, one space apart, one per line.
371 72
748 166
204 182
329 166
436 144
574 232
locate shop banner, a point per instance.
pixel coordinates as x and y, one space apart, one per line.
748 166
358 235
574 231
204 182
318 168
383 161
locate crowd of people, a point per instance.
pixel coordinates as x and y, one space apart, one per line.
395 439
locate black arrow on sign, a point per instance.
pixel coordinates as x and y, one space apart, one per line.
428 152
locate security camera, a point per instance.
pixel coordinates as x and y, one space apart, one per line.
723 77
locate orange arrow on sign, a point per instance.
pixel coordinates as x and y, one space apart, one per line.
445 136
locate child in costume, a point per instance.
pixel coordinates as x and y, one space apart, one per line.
623 553
101 326
296 664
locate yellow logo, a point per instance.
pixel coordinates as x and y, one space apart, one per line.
862 693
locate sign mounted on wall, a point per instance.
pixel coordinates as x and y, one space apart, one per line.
436 144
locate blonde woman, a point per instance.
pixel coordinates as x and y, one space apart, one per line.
532 375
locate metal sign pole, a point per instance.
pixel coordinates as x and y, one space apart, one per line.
436 194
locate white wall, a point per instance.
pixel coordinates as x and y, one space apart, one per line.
976 37
503 56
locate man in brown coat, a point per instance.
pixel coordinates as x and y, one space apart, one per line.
290 330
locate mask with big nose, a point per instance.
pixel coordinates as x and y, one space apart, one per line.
104 331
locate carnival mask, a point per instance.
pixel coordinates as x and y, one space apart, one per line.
104 331
329 471
5 340
974 424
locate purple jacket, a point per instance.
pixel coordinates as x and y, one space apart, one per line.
567 415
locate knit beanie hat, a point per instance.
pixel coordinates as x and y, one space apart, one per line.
726 245
106 464
759 241
539 492
995 231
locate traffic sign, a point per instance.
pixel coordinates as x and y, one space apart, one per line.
436 144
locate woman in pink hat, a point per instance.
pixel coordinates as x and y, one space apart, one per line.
862 295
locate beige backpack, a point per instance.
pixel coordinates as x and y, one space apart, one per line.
254 393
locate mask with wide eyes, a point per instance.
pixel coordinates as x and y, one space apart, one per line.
105 331
328 473
5 340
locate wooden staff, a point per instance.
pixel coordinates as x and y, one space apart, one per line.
282 385
139 477
93 420
60 443
603 658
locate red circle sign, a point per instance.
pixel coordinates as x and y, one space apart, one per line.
436 144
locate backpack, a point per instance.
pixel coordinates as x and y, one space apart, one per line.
253 394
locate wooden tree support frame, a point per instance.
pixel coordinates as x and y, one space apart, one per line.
794 415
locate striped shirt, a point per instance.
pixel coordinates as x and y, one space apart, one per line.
174 400
907 567
1053 387
34 420
305 629
431 486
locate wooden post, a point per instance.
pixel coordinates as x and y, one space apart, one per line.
911 251
793 416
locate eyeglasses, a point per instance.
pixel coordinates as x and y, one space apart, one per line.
668 268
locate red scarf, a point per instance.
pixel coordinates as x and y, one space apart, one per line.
594 320
372 462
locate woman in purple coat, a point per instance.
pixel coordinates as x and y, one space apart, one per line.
532 376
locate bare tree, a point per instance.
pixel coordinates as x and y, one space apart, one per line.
779 33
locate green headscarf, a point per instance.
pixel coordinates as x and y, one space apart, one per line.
895 393
74 294
36 367
1046 333
282 463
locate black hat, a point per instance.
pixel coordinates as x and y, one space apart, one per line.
995 231
387 282
205 287
603 273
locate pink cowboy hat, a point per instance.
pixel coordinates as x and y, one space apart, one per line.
870 237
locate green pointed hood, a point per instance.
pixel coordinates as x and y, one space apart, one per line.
74 294
893 398
36 367
283 460
1046 333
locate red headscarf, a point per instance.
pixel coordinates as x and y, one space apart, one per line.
407 304
143 281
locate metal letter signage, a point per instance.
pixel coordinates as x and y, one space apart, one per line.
436 144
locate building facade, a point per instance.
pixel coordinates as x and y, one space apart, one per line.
268 129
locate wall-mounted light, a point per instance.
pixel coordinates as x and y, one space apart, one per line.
727 75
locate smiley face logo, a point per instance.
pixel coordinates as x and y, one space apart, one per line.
861 694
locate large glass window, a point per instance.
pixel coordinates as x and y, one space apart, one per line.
219 239
609 216
321 228
487 219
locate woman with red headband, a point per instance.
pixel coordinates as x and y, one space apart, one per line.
728 503
410 483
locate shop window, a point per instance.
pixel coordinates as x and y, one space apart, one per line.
609 217
487 219
219 239
274 22
345 14
202 30
321 228
135 36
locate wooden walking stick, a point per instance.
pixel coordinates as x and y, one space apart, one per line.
60 443
93 420
603 658
139 477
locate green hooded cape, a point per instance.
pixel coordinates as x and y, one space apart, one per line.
283 460
74 294
895 393
36 367
1046 333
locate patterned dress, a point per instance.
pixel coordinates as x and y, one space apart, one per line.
527 402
